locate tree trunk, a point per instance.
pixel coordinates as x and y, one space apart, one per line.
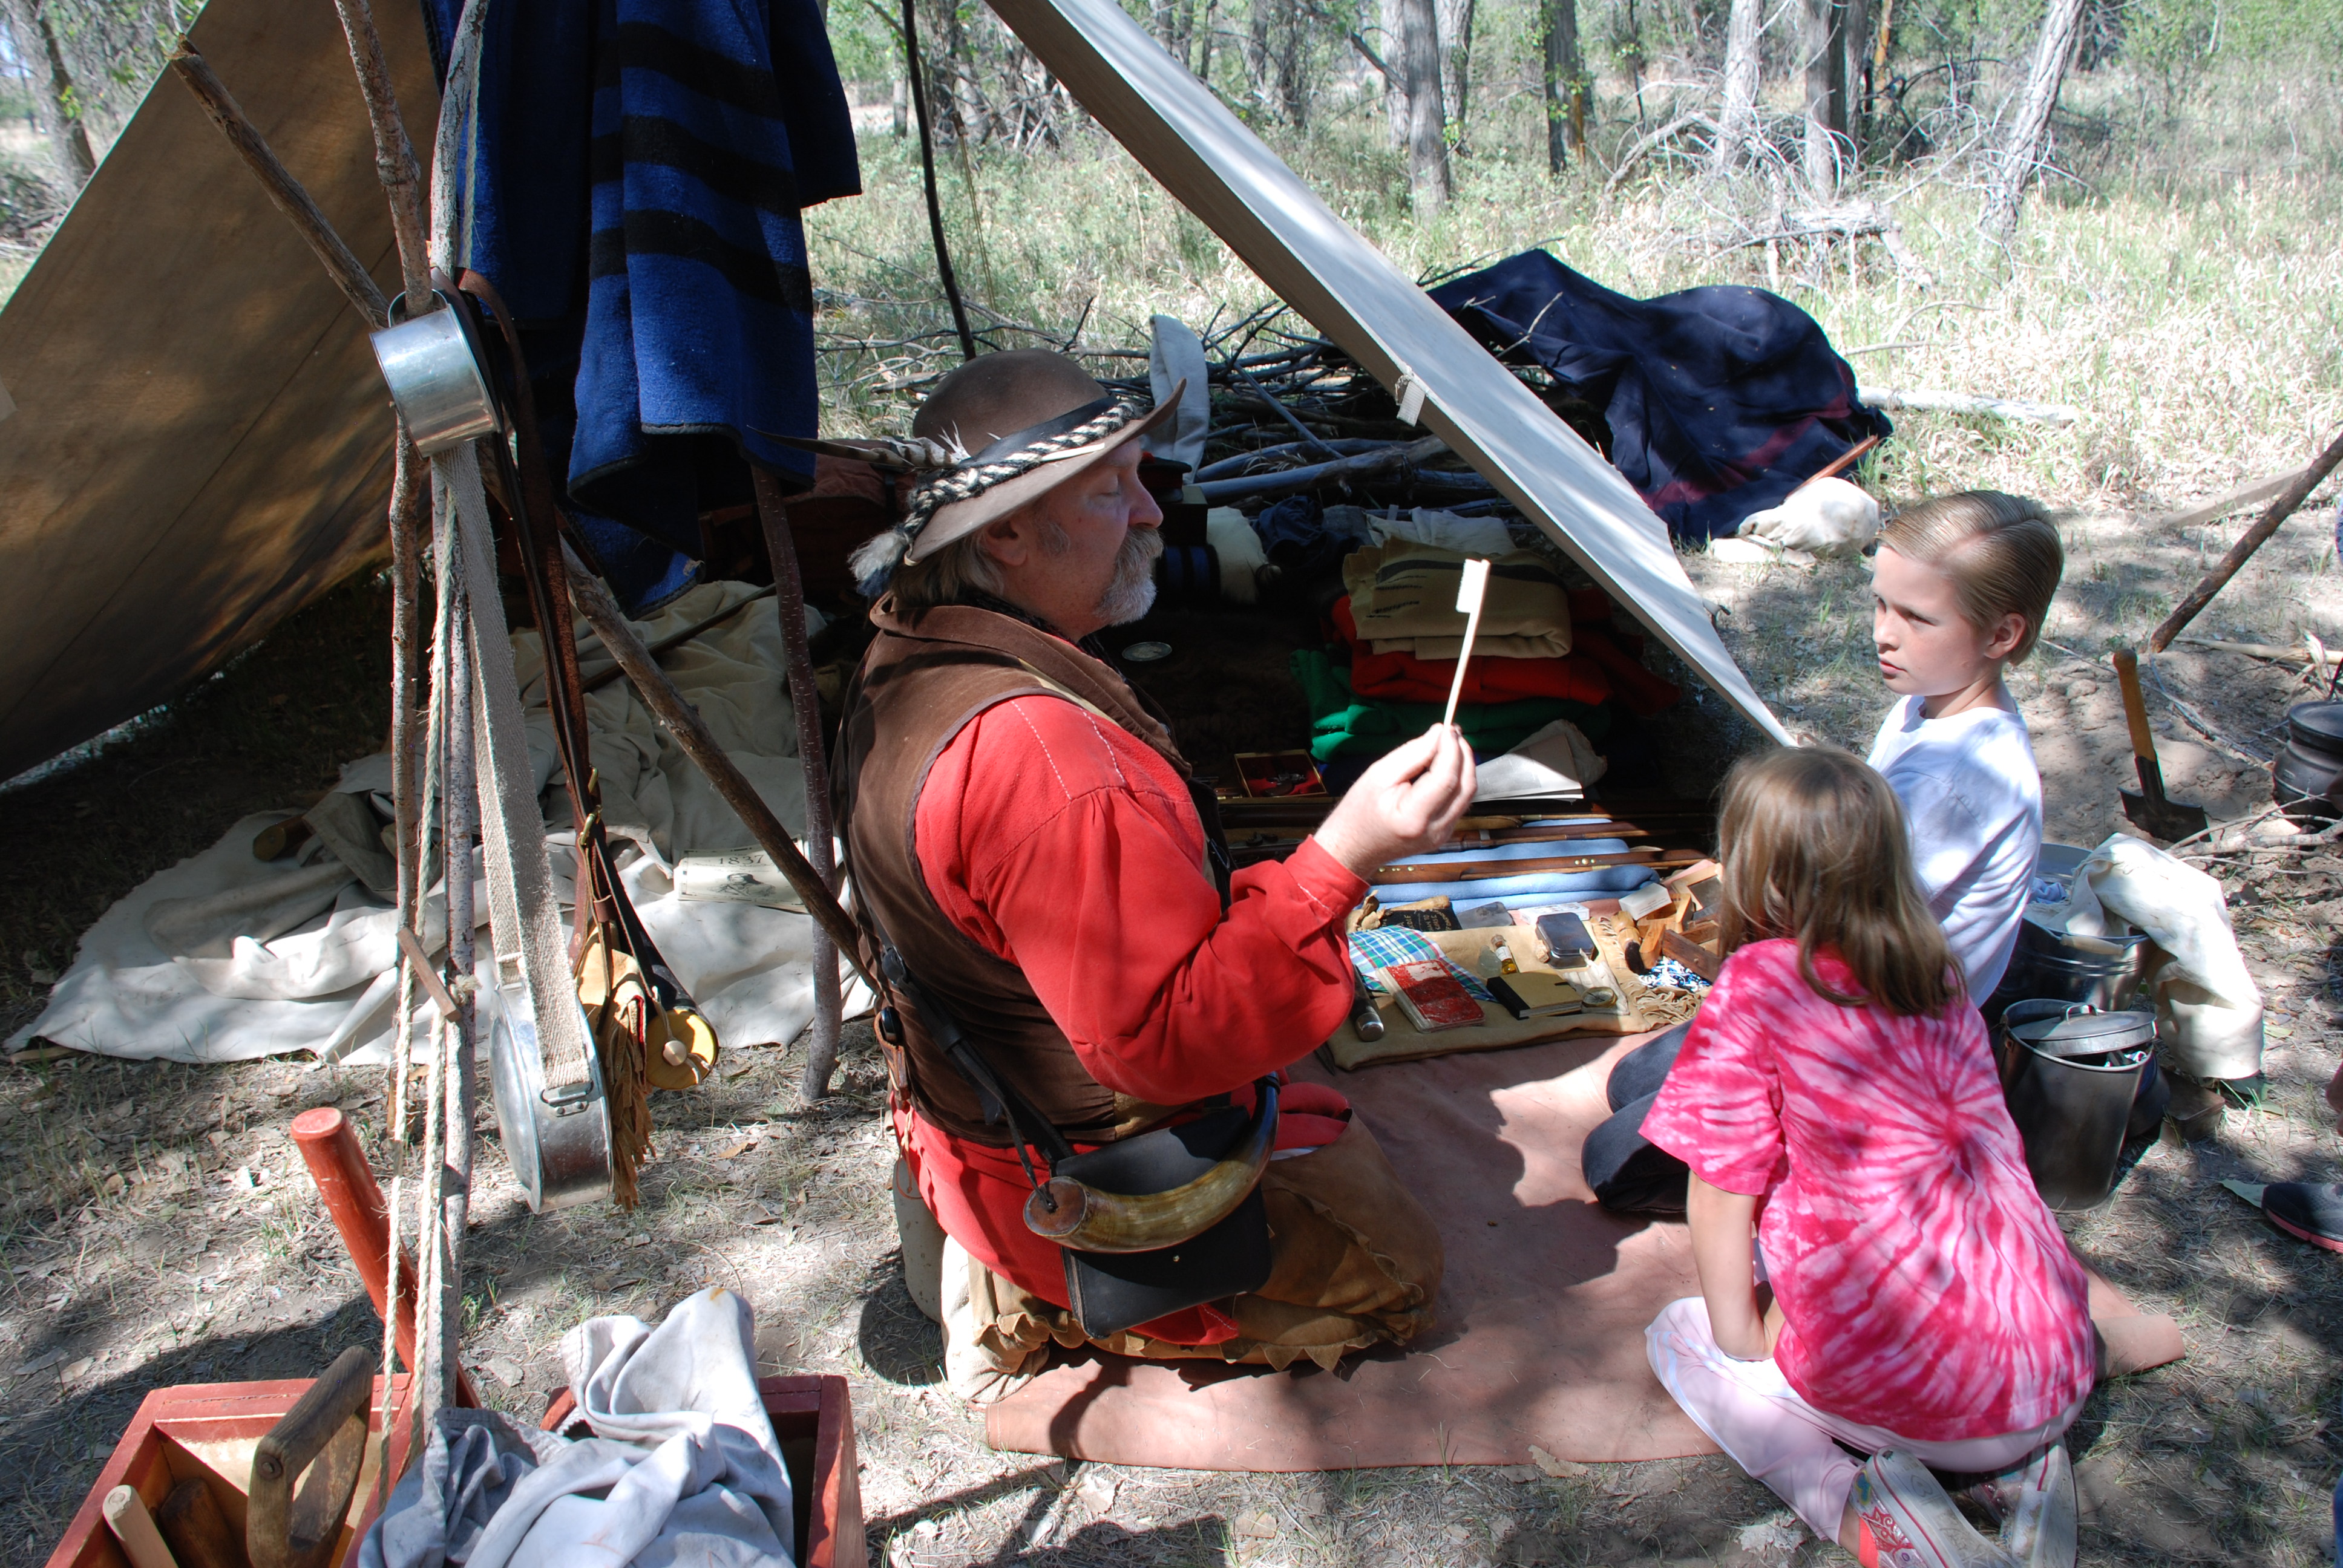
1455 22
1736 120
902 107
1854 75
1396 105
1294 63
2030 126
1566 86
1204 41
1825 48
73 141
1427 124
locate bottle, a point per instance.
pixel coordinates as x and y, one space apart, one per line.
1505 963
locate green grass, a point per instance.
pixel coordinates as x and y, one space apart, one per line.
2185 290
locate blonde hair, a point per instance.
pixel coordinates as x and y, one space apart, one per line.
2001 552
1814 849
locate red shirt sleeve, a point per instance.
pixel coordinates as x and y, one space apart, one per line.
1720 1110
1065 845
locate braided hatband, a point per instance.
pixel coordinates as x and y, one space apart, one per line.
969 480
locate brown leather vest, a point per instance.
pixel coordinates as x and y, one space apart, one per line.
920 687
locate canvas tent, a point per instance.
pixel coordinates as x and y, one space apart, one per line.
201 443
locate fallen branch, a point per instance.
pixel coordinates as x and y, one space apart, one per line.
2247 497
1643 147
1365 466
1921 400
2253 539
1850 220
2269 650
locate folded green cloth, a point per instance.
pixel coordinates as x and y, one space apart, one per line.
1343 724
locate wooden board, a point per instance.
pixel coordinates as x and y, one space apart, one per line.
201 442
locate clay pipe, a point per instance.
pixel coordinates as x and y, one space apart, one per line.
1089 1220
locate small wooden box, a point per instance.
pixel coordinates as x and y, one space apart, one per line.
207 1430
1261 773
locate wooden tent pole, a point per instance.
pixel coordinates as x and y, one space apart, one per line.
828 1003
394 153
592 597
2251 540
288 193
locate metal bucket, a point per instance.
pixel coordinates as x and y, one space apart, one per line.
433 367
2071 1075
2054 965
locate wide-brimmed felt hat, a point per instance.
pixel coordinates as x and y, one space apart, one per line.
1000 431
1027 420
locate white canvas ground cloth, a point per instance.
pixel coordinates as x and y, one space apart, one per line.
223 958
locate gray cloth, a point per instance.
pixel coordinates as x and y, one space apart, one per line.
682 1468
471 1465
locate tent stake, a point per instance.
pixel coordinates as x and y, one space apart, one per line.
291 197
592 597
829 998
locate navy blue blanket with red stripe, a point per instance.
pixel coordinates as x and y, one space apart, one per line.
1721 401
642 169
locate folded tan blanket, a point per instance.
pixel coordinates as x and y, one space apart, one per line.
1406 593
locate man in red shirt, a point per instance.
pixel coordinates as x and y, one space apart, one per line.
1025 837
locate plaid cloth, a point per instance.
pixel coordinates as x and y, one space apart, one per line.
1378 950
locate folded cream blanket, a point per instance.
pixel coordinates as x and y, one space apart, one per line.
1403 600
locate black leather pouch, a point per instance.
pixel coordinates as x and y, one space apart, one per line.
1111 1291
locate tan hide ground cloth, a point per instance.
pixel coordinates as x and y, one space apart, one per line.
1542 1315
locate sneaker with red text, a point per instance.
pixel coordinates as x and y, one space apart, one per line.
1912 1521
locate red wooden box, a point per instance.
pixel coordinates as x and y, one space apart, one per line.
206 1432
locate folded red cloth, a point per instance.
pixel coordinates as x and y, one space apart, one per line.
1403 678
1639 691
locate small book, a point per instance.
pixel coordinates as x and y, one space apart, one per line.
1431 996
1534 994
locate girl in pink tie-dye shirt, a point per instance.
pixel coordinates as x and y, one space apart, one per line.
1837 1095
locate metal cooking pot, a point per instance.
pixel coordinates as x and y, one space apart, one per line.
2072 1075
436 372
2307 775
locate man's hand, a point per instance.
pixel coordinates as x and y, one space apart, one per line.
1407 803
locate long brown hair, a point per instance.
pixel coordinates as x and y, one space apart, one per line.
1814 848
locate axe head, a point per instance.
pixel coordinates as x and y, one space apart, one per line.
2167 819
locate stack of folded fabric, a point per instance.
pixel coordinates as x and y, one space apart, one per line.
1345 725
1543 652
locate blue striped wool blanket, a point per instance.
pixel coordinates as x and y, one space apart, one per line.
635 192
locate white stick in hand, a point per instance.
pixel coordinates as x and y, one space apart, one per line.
1468 594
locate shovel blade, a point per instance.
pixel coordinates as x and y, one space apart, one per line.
2165 820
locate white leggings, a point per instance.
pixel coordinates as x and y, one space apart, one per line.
1765 1426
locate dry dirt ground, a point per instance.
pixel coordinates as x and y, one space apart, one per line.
136 1256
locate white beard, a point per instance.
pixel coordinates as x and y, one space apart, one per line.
1132 594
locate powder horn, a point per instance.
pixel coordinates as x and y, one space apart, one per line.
1089 1220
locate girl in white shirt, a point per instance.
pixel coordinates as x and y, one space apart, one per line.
1960 587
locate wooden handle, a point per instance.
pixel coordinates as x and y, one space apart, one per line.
2143 741
126 1513
324 1433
